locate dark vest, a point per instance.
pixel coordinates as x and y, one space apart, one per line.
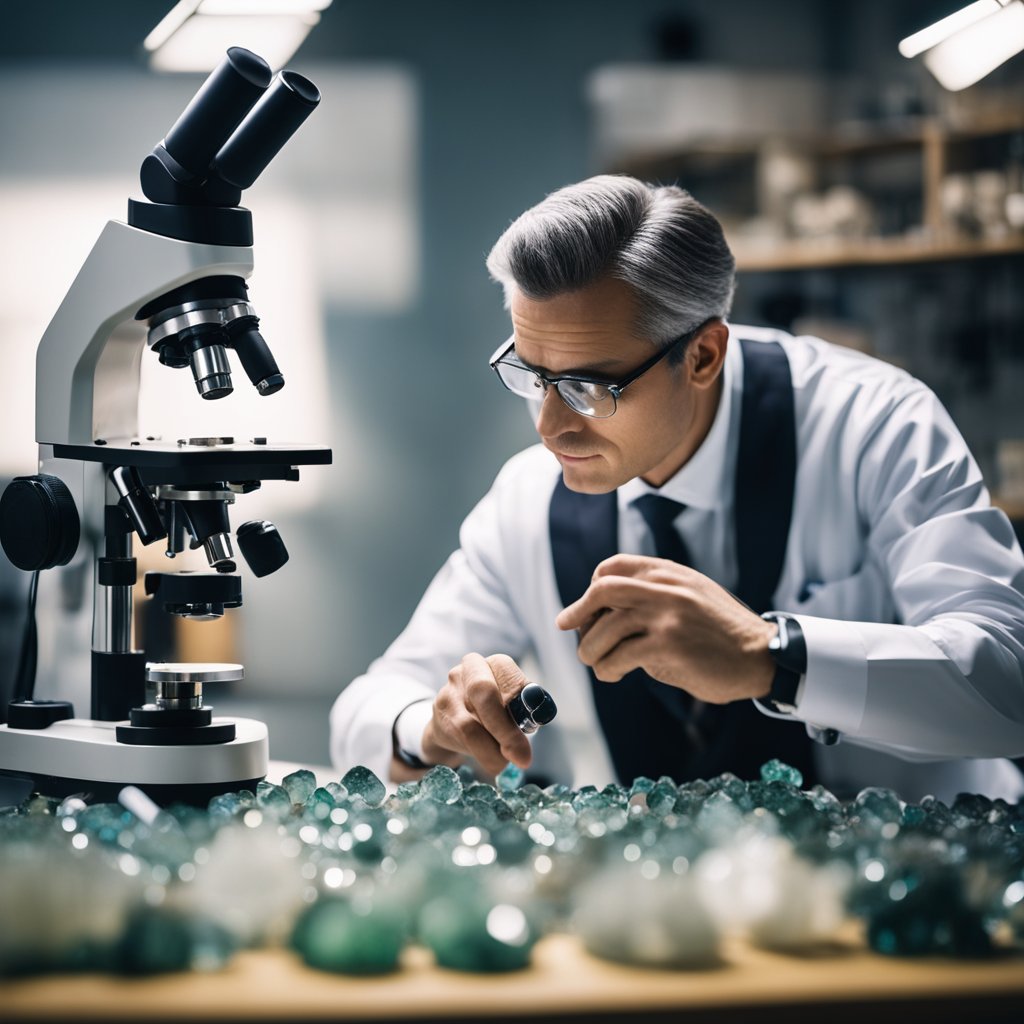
649 726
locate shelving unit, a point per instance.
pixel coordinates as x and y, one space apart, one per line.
899 171
791 254
730 168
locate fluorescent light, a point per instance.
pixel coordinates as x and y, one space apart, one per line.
195 33
934 34
967 57
243 7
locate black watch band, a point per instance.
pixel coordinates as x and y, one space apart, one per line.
789 650
406 757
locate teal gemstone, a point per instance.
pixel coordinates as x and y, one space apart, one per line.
361 782
154 941
476 934
641 784
661 798
510 778
320 804
441 783
877 806
778 771
300 785
333 935
275 800
226 805
914 815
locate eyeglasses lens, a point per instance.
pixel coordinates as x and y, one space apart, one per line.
586 398
521 381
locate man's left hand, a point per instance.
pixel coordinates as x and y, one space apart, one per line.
676 624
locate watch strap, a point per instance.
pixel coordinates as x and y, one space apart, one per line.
789 651
409 757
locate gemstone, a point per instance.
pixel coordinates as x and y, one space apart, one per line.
778 771
300 785
361 782
510 778
154 941
470 932
635 914
274 799
349 937
441 783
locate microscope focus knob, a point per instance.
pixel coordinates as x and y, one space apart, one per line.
261 546
39 524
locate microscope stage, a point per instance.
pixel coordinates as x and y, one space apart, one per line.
80 755
189 462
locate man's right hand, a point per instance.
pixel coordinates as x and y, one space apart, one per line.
470 719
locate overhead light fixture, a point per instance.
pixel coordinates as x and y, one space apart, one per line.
964 47
195 33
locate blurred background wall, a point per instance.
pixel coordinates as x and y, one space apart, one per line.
864 203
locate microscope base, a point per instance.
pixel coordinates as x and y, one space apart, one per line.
83 756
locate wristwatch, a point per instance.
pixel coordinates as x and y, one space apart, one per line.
789 651
407 757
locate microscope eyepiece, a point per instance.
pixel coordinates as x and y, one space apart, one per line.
216 110
267 127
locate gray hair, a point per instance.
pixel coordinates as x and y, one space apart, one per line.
659 240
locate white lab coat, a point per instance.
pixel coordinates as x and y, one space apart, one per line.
907 583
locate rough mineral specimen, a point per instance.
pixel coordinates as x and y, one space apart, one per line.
361 782
650 873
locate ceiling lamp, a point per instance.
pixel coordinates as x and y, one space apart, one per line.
194 34
963 48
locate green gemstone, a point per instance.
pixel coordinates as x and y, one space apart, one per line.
441 783
333 935
778 771
226 805
661 798
274 800
300 785
154 942
876 806
361 782
476 934
641 784
510 778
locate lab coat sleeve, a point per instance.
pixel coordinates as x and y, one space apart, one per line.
948 679
465 609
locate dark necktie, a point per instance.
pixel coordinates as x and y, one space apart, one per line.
660 515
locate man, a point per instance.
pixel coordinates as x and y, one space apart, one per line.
731 544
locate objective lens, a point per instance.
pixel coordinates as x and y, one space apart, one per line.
212 371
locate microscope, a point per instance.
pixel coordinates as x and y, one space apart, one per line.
172 280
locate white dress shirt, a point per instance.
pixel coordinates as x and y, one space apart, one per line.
906 582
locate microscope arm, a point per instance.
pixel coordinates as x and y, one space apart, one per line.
93 345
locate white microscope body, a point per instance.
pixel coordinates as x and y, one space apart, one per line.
171 279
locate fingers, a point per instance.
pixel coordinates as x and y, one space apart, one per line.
608 632
470 717
452 734
494 716
631 653
606 593
626 565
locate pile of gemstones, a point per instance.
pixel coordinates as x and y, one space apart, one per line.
658 874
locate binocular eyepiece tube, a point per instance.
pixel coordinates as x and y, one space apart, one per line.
234 126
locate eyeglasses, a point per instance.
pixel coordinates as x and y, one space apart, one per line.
584 395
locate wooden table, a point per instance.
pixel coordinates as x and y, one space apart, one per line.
842 984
